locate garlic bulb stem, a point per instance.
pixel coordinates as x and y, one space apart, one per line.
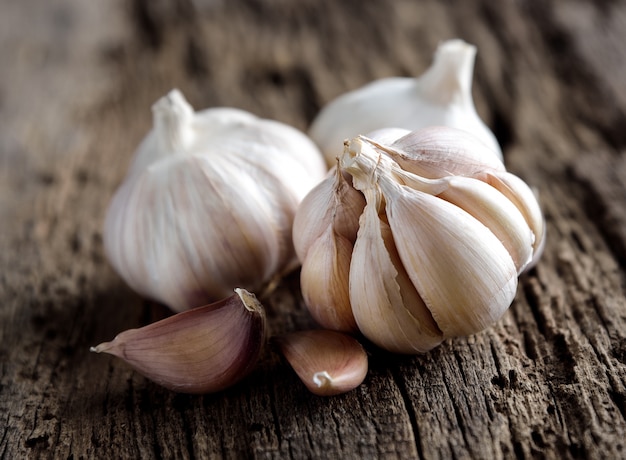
173 118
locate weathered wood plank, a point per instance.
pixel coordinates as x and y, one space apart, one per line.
548 380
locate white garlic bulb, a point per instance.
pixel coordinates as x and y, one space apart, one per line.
440 96
436 255
208 203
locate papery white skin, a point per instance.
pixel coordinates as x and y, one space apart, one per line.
208 204
440 96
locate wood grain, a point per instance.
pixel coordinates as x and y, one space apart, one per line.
76 85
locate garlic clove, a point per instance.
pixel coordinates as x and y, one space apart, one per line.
518 192
324 281
440 96
327 362
203 350
461 270
439 151
386 306
332 202
496 212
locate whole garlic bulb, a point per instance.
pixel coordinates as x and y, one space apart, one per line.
440 96
436 255
208 203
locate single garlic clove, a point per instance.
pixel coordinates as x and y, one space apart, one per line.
203 350
439 151
461 270
496 212
327 362
324 281
441 96
516 190
386 306
332 202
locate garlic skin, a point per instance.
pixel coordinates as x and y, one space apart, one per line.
436 255
203 350
208 204
440 96
328 362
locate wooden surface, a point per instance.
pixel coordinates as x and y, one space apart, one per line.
76 83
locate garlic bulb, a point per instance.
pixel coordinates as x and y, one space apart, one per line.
440 96
440 243
208 203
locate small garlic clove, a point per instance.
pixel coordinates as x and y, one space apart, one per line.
324 281
203 350
327 362
332 202
461 270
386 306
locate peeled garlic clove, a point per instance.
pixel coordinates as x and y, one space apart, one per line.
332 202
208 204
203 350
327 362
461 270
324 281
386 306
441 96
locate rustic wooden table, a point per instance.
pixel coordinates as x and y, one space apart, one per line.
76 83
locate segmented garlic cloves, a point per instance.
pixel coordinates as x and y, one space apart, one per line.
208 204
444 234
440 96
327 362
203 350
